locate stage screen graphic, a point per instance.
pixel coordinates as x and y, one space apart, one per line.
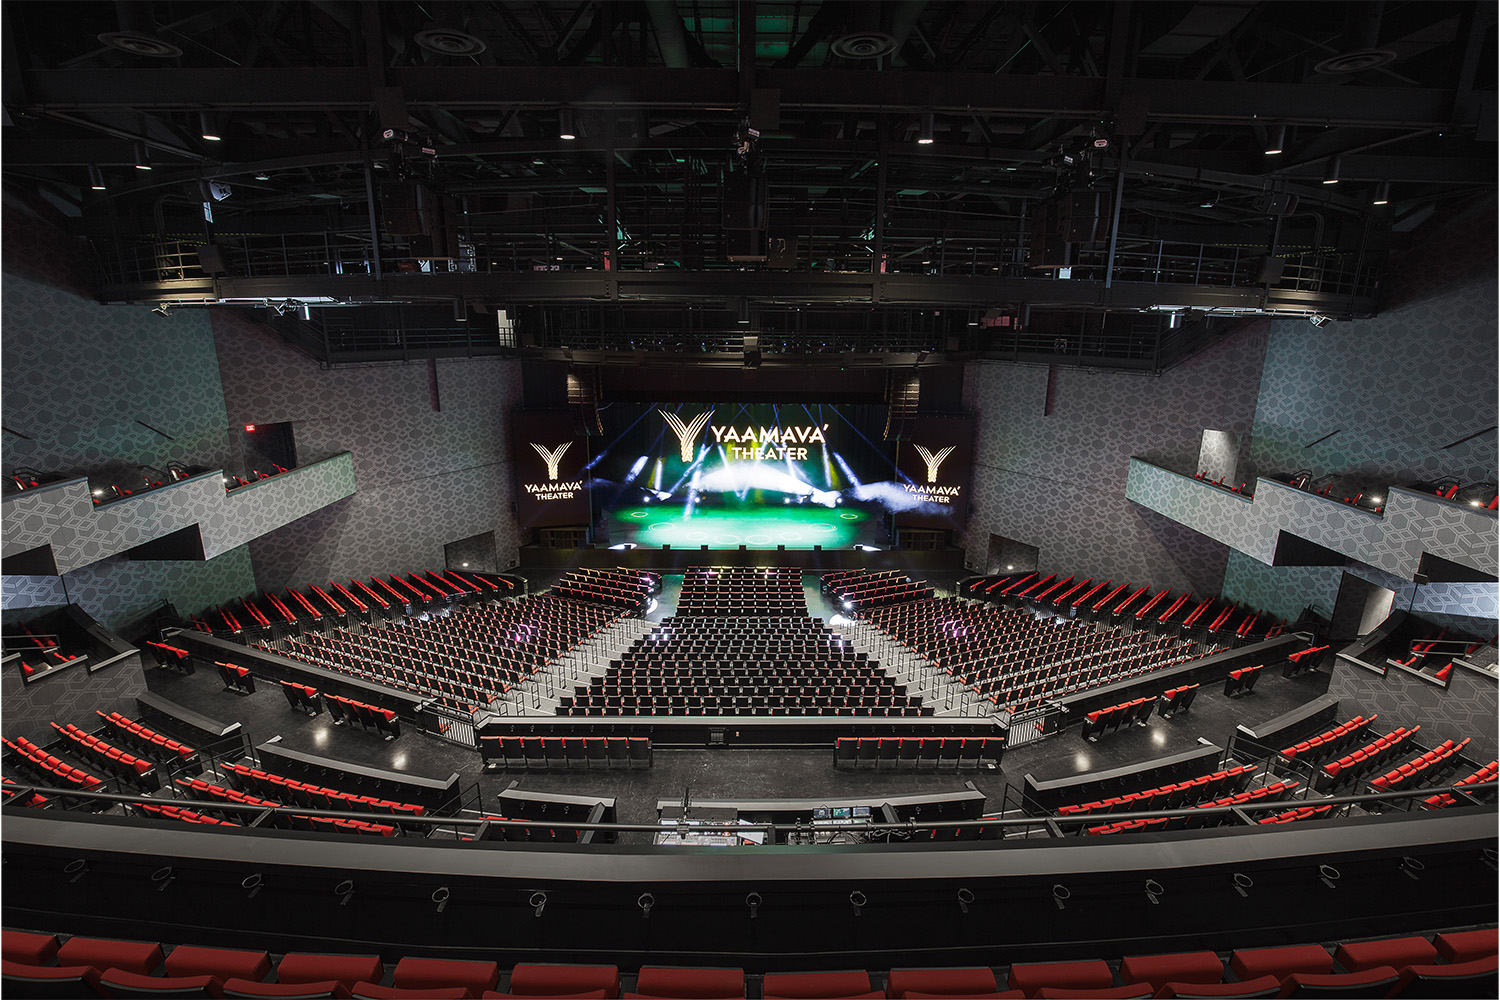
933 466
752 474
550 460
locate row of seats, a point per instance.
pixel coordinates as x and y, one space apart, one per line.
960 751
1242 681
127 767
1459 963
755 703
1292 815
290 791
33 760
616 587
1177 795
738 591
199 787
461 689
302 697
174 657
1434 763
1277 792
1486 773
1302 662
158 746
1177 699
236 678
382 720
554 752
861 589
163 811
1352 766
1332 742
1107 720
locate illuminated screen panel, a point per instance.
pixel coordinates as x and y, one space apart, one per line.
752 474
549 459
933 467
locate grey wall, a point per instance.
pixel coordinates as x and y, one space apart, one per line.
1058 481
71 696
425 477
76 376
1467 708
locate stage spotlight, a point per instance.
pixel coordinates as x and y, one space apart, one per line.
206 127
96 178
142 156
742 314
1382 194
924 131
1275 139
1331 173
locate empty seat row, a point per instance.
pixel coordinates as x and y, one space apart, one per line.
1242 681
173 656
1107 720
1434 763
290 791
1276 792
156 745
236 678
1302 662
40 764
1350 767
11 792
326 824
164 811
553 752
1293 815
1176 795
1486 773
1177 699
1461 964
1332 742
128 767
302 697
382 720
939 751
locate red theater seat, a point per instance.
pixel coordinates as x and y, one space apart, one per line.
140 957
346 969
1136 991
562 980
941 982
1397 953
1460 946
220 963
691 983
1370 982
820 985
443 973
590 995
31 949
66 982
1263 986
1006 995
1062 976
1467 979
372 991
328 989
1281 962
119 983
1182 967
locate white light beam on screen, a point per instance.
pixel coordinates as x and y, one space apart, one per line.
635 470
847 471
656 477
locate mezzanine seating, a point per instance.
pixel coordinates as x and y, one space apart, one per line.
1242 681
347 710
540 753
860 589
1107 720
1486 773
1433 764
236 678
625 589
31 759
1177 699
1349 768
940 752
302 697
157 746
128 767
1331 743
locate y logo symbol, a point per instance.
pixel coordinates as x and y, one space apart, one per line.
687 434
933 461
552 458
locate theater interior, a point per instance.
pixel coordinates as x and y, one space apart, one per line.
749 499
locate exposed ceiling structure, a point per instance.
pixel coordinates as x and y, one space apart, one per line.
650 182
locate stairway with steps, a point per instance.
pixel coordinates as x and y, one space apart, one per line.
542 693
945 696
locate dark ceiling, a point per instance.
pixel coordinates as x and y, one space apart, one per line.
1097 186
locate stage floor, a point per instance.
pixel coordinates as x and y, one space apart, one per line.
755 527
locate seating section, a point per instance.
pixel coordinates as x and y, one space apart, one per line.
278 789
199 789
1302 662
1293 815
1331 743
1348 769
1461 963
39 652
741 591
1177 699
860 589
174 657
542 753
939 752
347 710
32 760
1276 792
127 767
628 590
1106 720
464 660
1242 681
753 664
1486 773
157 746
1429 768
302 697
11 792
164 811
236 678
1179 795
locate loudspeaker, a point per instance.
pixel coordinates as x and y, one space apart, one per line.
1270 271
666 548
817 548
1420 578
703 548
765 109
211 259
404 207
742 548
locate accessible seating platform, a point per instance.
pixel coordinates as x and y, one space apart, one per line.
1460 963
1106 720
937 752
542 753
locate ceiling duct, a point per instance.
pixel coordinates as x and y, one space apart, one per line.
1357 51
876 30
135 35
446 36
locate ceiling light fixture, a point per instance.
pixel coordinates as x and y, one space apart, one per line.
924 130
96 178
565 127
1331 173
743 311
1382 194
142 156
206 127
1275 139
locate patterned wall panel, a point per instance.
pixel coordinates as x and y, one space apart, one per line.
1218 456
268 504
1401 385
1466 709
82 381
71 696
426 477
1058 481
31 591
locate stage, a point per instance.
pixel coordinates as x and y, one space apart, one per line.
757 526
673 559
